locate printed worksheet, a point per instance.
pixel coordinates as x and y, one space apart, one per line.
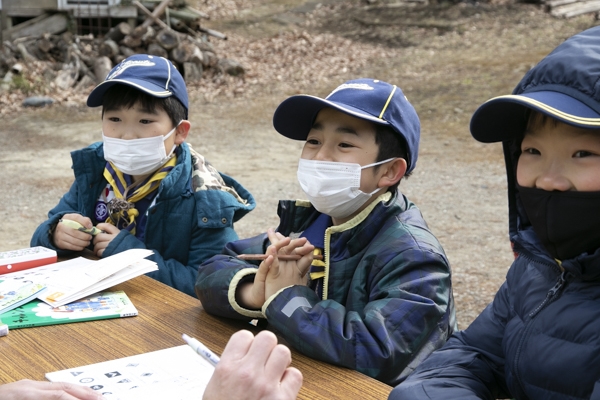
177 373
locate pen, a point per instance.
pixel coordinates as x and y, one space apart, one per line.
201 349
282 257
76 225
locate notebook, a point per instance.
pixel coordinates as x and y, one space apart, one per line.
21 259
103 305
176 373
71 280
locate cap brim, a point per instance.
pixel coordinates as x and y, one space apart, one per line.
294 116
97 94
503 118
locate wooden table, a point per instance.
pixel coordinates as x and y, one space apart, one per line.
164 314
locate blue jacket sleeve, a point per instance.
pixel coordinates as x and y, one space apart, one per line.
214 285
469 366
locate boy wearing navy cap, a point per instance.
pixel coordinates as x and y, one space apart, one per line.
539 338
143 186
353 276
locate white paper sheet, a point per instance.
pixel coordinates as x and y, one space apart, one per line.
176 373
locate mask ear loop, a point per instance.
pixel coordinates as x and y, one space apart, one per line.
170 155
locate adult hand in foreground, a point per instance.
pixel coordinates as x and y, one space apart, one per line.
254 368
36 390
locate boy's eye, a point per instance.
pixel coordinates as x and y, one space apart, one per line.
114 119
145 121
346 145
531 151
582 153
312 141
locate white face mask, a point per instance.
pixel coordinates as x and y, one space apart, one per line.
333 187
137 156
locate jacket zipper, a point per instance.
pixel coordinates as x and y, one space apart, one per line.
550 296
326 252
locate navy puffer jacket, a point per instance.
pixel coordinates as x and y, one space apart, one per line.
540 337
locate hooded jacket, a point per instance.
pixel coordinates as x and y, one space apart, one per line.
387 300
540 337
187 223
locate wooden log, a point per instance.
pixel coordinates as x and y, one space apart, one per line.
45 23
108 48
153 16
66 78
192 72
182 52
230 67
118 32
126 51
131 41
214 33
557 3
210 59
187 8
76 50
197 56
102 66
167 38
25 55
139 31
85 83
44 44
149 36
571 10
156 50
184 14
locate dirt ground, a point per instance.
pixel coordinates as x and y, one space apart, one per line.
447 58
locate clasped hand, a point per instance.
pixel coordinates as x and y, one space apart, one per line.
275 274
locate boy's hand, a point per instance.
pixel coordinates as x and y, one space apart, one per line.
282 274
273 274
102 240
67 238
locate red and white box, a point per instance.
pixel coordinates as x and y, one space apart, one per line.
31 257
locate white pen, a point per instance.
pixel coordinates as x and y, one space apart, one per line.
201 349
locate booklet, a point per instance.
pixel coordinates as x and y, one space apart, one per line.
176 373
21 259
103 305
74 279
15 291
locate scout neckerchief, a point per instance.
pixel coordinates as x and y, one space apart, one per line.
121 209
315 234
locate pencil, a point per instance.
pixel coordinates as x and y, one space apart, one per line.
282 257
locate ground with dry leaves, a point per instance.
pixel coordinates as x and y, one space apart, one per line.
447 59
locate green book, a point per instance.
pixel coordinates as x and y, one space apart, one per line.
103 305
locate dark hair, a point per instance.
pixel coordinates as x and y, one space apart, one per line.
391 145
125 96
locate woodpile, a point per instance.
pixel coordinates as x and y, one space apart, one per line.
68 61
571 8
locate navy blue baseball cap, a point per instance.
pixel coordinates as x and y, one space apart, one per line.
369 99
153 75
565 85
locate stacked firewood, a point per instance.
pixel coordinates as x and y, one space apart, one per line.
571 8
79 61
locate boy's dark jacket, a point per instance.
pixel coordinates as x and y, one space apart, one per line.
184 227
540 337
388 294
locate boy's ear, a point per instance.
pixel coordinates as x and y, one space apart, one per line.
182 131
393 172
